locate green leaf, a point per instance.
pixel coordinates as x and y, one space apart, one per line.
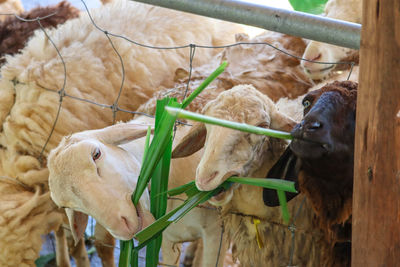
125 254
156 150
159 184
204 84
309 6
277 184
181 189
283 204
43 260
191 203
150 231
229 124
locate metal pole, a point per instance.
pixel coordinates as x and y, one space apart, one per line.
294 23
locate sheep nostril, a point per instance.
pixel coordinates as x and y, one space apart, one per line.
316 57
313 126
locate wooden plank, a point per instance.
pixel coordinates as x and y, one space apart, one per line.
376 203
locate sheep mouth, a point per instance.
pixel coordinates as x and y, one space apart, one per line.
222 192
139 213
320 70
309 148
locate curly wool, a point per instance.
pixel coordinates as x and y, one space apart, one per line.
28 112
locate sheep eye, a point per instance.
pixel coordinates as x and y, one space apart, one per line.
306 103
96 154
263 125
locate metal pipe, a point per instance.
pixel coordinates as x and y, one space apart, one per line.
294 23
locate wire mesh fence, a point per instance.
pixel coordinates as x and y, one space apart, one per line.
115 107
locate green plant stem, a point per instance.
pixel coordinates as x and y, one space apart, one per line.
159 183
156 150
204 84
283 204
270 183
125 254
229 124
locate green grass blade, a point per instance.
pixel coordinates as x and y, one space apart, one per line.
156 150
134 257
159 184
43 260
276 184
191 203
146 143
284 208
150 231
229 124
181 189
125 254
204 84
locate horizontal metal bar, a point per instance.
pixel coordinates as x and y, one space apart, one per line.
294 23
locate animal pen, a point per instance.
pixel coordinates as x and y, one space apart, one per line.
376 219
376 202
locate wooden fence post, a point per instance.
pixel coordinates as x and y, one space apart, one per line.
376 202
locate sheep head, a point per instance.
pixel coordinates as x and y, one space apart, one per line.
233 153
337 9
328 113
91 173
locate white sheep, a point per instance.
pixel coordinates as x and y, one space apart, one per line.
228 153
348 10
95 172
28 111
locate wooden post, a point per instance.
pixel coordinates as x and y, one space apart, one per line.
376 202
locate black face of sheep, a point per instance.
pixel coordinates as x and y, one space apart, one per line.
323 142
328 125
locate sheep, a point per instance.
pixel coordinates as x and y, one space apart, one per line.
256 70
10 7
28 110
322 155
337 9
113 155
14 32
229 153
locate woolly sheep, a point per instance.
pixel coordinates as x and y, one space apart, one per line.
27 111
255 70
14 33
323 168
92 169
229 153
348 10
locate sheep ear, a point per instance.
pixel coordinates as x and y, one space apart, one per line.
192 142
286 168
180 74
77 222
120 133
281 122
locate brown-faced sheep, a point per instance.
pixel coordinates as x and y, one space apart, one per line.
320 159
348 10
28 111
14 32
227 153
